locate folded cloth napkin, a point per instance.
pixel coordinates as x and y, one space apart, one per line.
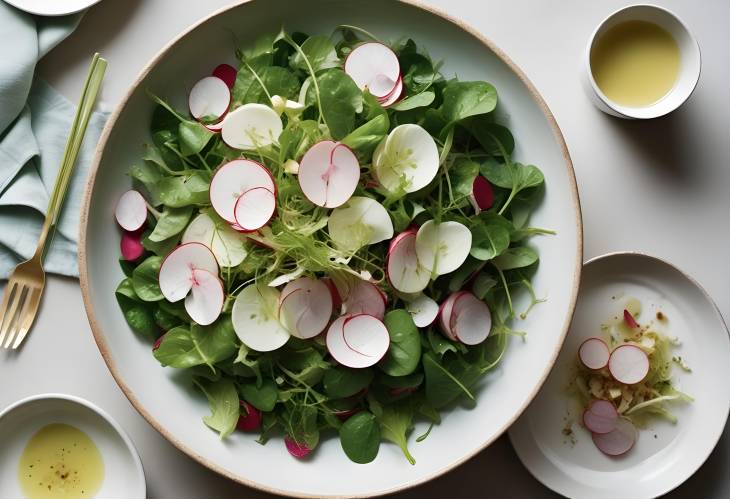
35 122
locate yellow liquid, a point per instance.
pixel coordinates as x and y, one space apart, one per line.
60 462
635 63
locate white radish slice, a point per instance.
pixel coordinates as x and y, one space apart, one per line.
251 126
394 96
205 303
357 341
365 298
226 244
233 179
404 271
470 320
594 353
423 310
445 314
176 270
482 194
618 441
209 99
359 222
373 66
334 293
255 320
285 278
442 248
254 208
600 417
407 159
628 364
329 173
227 73
215 127
305 307
131 211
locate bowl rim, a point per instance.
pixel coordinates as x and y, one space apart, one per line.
118 429
97 329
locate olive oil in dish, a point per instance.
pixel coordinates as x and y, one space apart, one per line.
635 63
60 462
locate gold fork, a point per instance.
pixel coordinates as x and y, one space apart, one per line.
25 285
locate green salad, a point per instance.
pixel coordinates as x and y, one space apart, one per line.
329 239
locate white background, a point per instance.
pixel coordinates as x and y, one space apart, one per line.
660 187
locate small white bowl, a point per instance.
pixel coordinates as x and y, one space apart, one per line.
52 7
689 72
123 473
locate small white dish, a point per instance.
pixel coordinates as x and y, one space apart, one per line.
123 473
52 7
665 455
689 72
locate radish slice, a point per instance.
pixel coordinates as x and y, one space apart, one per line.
628 364
254 208
233 179
394 96
594 353
423 310
215 127
600 417
209 99
404 271
618 441
407 159
227 73
205 303
176 270
359 222
228 247
357 341
328 173
255 320
373 67
131 211
334 293
629 320
285 278
442 248
131 245
365 298
305 307
445 314
251 126
470 321
298 450
482 194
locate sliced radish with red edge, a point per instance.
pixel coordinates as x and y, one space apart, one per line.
228 247
373 66
131 211
305 307
329 173
205 302
407 159
395 95
250 418
403 269
445 314
131 245
255 208
209 99
255 318
176 270
628 364
334 293
629 320
227 73
234 178
470 321
442 248
296 449
594 353
360 221
357 341
600 416
482 194
251 126
365 298
618 441
423 310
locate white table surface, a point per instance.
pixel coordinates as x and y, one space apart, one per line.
660 187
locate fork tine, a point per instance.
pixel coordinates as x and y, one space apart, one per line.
15 309
8 299
31 310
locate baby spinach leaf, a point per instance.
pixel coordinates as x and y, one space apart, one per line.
494 138
224 405
138 314
262 397
296 141
366 137
460 276
341 99
462 174
276 81
488 240
193 137
467 98
344 382
419 100
180 191
184 347
360 437
300 422
439 345
395 424
321 54
499 174
163 248
482 284
144 279
444 385
148 175
165 320
515 258
171 223
404 352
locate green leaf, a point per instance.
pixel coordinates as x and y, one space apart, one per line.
360 437
295 141
516 258
181 191
300 423
404 352
462 174
395 424
193 137
144 279
419 100
446 384
495 139
224 405
184 347
483 284
262 397
163 248
366 137
467 98
488 240
341 99
344 382
138 314
321 54
148 175
439 344
172 222
165 320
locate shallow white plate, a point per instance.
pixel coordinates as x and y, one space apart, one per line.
164 396
123 473
665 455
52 7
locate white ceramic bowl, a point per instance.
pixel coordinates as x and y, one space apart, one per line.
123 473
689 72
52 7
164 396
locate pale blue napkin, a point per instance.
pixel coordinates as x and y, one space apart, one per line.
35 121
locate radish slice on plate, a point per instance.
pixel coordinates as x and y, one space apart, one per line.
251 126
470 321
600 417
628 364
618 441
227 73
423 310
255 320
482 194
176 270
365 298
215 127
209 99
394 96
594 353
131 211
375 67
357 341
329 173
234 178
359 222
305 307
407 159
442 248
629 320
445 314
285 278
254 208
131 245
296 449
228 247
405 273
334 293
205 302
